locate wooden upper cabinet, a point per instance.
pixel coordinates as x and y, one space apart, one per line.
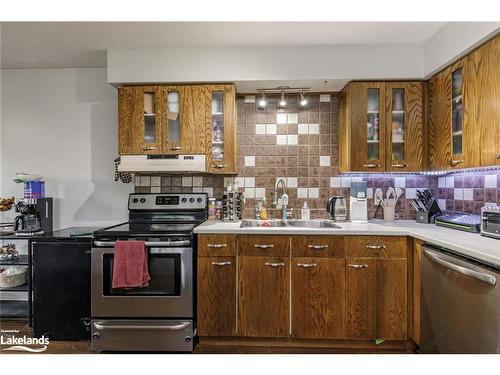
221 131
381 127
403 103
482 105
140 121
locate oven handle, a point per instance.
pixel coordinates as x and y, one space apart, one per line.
177 327
148 244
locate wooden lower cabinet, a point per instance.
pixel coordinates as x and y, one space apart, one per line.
376 298
263 296
217 296
318 298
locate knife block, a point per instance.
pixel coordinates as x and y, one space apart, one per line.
429 216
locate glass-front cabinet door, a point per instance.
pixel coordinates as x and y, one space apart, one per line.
368 121
174 123
404 126
457 119
222 143
139 122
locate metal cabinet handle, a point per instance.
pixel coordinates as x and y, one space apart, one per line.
372 165
307 265
175 148
217 245
358 265
318 247
259 246
497 156
221 263
399 165
454 163
220 166
270 264
376 247
149 148
489 279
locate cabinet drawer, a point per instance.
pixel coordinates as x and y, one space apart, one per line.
318 246
252 245
376 247
217 245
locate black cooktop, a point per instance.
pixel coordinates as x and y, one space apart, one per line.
150 229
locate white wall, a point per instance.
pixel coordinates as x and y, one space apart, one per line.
454 40
236 64
62 123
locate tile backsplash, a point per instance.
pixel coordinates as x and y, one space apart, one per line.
300 144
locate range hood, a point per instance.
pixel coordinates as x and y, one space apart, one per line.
162 163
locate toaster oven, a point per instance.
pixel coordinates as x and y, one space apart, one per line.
490 221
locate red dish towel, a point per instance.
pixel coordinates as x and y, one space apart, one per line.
130 265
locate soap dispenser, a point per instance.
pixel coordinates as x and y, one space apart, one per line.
306 213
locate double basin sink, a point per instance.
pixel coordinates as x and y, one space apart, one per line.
288 223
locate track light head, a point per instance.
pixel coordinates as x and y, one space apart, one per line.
303 100
282 102
262 101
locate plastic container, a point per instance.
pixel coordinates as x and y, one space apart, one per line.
34 189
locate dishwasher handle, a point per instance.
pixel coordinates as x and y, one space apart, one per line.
489 279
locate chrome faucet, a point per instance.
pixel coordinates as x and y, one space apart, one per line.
282 202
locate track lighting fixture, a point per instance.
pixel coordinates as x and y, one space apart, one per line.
282 102
303 100
262 101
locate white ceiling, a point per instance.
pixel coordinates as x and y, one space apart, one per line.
84 44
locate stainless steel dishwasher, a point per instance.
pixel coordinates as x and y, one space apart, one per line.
460 308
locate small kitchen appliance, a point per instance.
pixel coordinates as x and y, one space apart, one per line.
490 222
336 208
358 205
35 218
461 221
158 317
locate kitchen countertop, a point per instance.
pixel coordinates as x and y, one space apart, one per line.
468 244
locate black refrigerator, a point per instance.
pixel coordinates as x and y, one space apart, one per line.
61 288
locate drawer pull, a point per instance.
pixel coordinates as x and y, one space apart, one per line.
220 166
497 156
175 148
307 265
318 247
270 264
376 247
454 163
371 165
221 263
149 148
358 266
399 165
217 245
259 246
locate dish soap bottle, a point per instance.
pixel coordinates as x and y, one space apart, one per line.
306 213
263 210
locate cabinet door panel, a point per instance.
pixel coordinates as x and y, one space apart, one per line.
140 120
361 298
217 245
404 126
367 126
263 304
392 310
318 298
266 245
217 296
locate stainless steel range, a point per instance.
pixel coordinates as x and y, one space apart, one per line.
158 317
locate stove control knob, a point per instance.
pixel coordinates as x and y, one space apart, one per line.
135 200
191 200
183 200
143 200
199 200
96 335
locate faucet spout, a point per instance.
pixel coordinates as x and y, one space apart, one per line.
282 202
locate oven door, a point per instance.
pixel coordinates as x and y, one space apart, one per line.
170 290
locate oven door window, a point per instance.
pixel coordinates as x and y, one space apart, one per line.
164 270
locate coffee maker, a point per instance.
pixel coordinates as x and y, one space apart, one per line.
35 216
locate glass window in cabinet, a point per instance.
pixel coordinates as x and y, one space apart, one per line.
398 124
173 119
373 124
149 117
218 125
457 111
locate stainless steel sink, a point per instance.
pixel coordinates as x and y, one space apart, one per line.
262 223
312 224
289 223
